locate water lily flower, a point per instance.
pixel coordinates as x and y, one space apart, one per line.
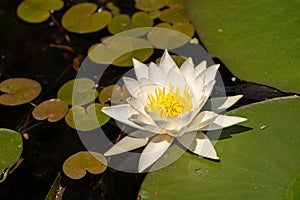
166 103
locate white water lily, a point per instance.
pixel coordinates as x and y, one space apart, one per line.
166 103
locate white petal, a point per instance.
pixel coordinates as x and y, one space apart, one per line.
203 147
209 88
175 78
132 85
157 75
187 70
166 62
126 144
223 121
197 87
222 103
121 113
140 69
141 120
142 134
201 120
210 73
137 105
200 68
154 150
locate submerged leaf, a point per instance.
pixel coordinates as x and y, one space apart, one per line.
78 164
36 11
53 110
85 18
19 91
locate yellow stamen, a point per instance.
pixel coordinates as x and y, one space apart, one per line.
169 104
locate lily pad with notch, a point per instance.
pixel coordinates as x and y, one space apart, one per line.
114 94
85 18
37 11
11 147
53 110
84 119
19 91
149 5
78 164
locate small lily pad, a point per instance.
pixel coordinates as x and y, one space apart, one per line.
172 15
78 164
85 18
114 94
149 5
19 91
11 147
167 36
78 91
85 119
53 110
123 22
36 11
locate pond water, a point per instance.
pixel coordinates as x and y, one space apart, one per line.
25 52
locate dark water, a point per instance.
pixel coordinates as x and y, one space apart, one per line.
25 52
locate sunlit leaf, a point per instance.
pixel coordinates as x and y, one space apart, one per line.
256 163
52 110
85 119
258 41
11 147
174 16
148 5
123 22
166 36
78 164
36 11
19 91
114 94
78 91
85 18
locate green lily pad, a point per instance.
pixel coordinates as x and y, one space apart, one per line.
11 147
149 5
19 91
172 15
85 119
78 164
53 110
258 42
259 160
114 94
123 22
167 36
36 11
78 91
85 18
119 50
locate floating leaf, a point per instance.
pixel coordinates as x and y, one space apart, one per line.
85 18
10 150
166 36
78 91
85 119
258 42
177 4
114 94
52 110
78 164
255 163
19 91
123 22
149 5
120 50
114 9
174 16
36 11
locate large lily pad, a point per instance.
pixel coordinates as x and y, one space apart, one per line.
19 91
53 110
258 41
85 18
78 164
85 119
11 146
78 91
263 162
36 11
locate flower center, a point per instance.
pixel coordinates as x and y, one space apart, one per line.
169 103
